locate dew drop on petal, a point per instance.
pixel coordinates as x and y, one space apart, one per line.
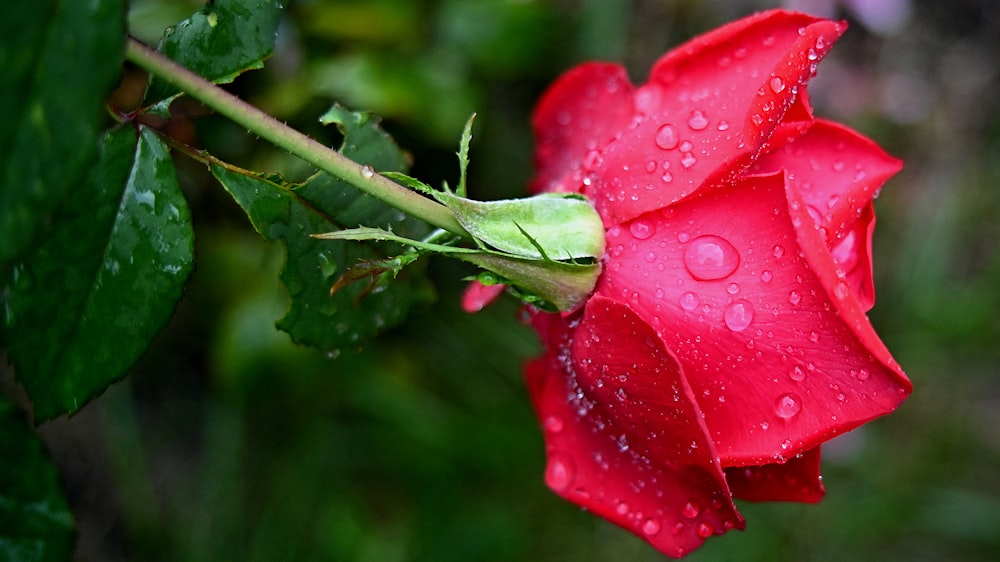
787 406
704 530
559 473
651 527
777 84
778 251
689 301
797 374
738 315
688 160
697 121
691 509
711 257
554 424
794 297
666 137
641 230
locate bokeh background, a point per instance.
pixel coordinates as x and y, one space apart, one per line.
228 442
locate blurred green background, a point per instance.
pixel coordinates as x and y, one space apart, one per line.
230 443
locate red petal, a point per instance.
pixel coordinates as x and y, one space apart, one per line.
580 113
477 296
797 480
838 172
624 436
710 106
777 350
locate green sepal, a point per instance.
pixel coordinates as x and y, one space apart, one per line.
546 283
556 226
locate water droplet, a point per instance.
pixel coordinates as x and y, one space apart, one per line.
688 160
704 530
689 301
621 508
757 119
766 276
797 374
778 251
841 290
554 424
777 84
697 121
621 395
787 406
642 230
367 172
723 125
738 315
711 257
559 473
650 166
863 375
733 288
651 527
794 297
666 137
691 509
667 177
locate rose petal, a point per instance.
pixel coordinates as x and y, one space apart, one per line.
477 296
646 463
580 113
838 172
709 107
797 480
776 348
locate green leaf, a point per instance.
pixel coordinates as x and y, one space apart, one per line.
220 41
85 305
289 213
59 61
35 522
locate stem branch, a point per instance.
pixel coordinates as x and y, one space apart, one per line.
283 136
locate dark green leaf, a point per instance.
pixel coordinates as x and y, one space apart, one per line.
84 306
35 522
289 213
59 60
220 41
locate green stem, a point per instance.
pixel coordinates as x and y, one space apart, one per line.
282 135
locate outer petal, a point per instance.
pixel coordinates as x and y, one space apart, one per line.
580 113
741 287
710 106
797 480
838 172
623 433
477 296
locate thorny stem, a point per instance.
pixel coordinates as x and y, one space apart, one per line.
285 137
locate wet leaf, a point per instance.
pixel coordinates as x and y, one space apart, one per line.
48 138
35 522
291 213
220 41
85 305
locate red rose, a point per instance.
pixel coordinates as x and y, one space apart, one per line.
727 337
